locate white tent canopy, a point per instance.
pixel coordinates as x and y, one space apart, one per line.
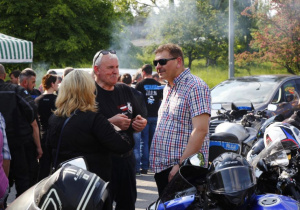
13 50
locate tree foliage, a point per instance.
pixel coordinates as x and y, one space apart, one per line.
64 32
277 39
192 25
200 27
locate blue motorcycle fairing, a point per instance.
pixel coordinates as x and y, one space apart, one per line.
177 203
273 201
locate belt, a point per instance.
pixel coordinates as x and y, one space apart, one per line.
125 155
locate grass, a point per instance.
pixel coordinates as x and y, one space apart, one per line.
213 75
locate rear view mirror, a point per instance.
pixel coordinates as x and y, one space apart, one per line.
197 159
272 107
216 106
78 161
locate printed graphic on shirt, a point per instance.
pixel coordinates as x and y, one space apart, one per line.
151 90
150 100
126 109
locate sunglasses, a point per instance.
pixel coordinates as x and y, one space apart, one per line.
104 52
162 61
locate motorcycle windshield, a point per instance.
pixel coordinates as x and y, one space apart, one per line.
231 180
274 155
184 182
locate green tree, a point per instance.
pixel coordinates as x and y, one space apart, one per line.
242 24
195 26
277 39
200 27
64 32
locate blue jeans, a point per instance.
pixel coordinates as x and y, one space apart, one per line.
147 135
137 151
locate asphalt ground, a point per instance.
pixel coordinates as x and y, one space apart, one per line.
146 191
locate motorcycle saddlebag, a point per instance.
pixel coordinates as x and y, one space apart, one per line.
72 188
223 142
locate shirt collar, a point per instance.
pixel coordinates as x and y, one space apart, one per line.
181 76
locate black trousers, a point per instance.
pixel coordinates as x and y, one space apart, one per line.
123 182
23 166
45 160
161 180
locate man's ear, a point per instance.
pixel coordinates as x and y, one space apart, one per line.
179 62
96 70
24 83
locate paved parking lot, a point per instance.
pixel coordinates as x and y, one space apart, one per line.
146 189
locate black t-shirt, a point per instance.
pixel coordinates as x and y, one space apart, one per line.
153 94
140 98
118 101
46 106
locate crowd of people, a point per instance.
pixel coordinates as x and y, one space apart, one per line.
124 126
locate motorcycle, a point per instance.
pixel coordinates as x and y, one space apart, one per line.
71 186
277 164
191 188
242 128
259 145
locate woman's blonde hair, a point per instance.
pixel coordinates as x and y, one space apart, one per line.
76 92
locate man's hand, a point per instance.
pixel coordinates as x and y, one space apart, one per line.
120 120
139 123
39 152
172 173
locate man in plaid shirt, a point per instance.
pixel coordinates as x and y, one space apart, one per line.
183 117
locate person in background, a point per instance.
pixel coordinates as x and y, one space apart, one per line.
5 158
127 79
59 78
87 133
137 78
122 109
153 94
27 81
183 116
46 105
67 70
14 76
52 72
18 110
156 77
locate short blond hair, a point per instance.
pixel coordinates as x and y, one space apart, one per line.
76 92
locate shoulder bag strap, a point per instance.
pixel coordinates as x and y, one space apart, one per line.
58 144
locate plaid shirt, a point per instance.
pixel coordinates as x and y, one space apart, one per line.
5 148
189 97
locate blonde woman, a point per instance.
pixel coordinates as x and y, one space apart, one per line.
87 133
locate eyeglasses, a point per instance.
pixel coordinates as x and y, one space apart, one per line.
104 52
162 61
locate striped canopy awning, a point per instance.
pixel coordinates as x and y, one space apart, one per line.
13 50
